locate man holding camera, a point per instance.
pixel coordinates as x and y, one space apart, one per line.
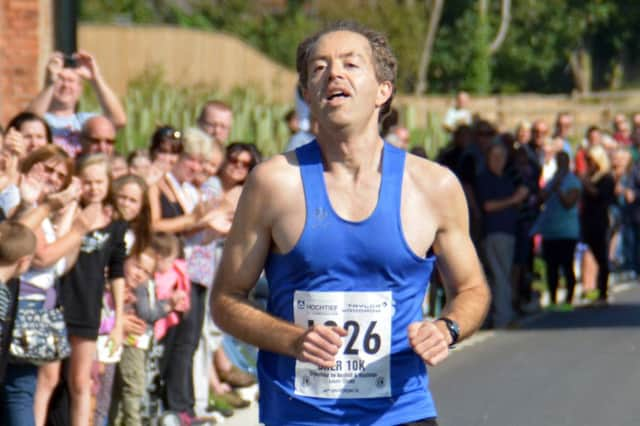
58 100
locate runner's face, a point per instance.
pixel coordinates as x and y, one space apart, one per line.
342 89
129 201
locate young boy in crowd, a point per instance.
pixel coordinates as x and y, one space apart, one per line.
130 376
17 245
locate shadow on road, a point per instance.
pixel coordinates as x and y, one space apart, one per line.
618 315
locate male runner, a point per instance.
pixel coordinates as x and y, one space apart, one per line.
342 227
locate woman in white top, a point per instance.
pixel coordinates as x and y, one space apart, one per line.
58 241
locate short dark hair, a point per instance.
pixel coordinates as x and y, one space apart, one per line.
384 61
289 115
592 129
391 120
237 147
166 135
26 116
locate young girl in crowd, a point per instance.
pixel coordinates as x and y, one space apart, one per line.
131 202
102 250
131 198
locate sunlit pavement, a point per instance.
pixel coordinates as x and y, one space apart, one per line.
579 368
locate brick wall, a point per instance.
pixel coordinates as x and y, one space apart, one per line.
26 39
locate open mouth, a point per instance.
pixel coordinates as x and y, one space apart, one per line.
337 95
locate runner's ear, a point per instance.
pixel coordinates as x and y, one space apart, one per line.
385 90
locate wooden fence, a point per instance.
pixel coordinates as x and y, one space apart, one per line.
187 57
190 57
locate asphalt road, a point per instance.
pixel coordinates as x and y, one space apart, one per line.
560 369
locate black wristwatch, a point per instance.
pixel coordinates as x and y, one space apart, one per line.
454 329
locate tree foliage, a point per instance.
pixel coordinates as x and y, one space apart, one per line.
535 55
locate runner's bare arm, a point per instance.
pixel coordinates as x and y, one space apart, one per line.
245 253
467 292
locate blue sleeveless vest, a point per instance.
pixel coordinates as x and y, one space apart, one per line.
337 255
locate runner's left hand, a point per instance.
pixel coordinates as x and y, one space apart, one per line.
428 341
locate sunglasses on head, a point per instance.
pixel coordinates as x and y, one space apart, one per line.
170 133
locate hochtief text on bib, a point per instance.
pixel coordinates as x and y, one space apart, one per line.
362 368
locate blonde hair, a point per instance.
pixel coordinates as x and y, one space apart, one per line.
524 124
198 143
92 160
600 158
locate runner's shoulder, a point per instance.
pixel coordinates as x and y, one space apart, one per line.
430 177
277 175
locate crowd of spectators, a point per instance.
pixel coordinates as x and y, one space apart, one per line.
572 200
124 246
126 250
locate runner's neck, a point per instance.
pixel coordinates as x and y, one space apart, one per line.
356 155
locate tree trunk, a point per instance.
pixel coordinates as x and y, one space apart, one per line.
617 73
580 62
425 58
504 27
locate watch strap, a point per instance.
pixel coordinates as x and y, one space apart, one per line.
454 329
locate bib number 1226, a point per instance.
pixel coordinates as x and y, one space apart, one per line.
371 341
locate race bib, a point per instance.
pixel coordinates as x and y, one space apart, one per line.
362 368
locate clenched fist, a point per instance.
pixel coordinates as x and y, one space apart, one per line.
430 340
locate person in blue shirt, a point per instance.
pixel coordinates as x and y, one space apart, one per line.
343 227
559 226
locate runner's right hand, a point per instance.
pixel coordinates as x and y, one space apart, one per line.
319 345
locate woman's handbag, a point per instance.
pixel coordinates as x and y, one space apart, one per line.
39 335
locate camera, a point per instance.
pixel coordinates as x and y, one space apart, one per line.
70 61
